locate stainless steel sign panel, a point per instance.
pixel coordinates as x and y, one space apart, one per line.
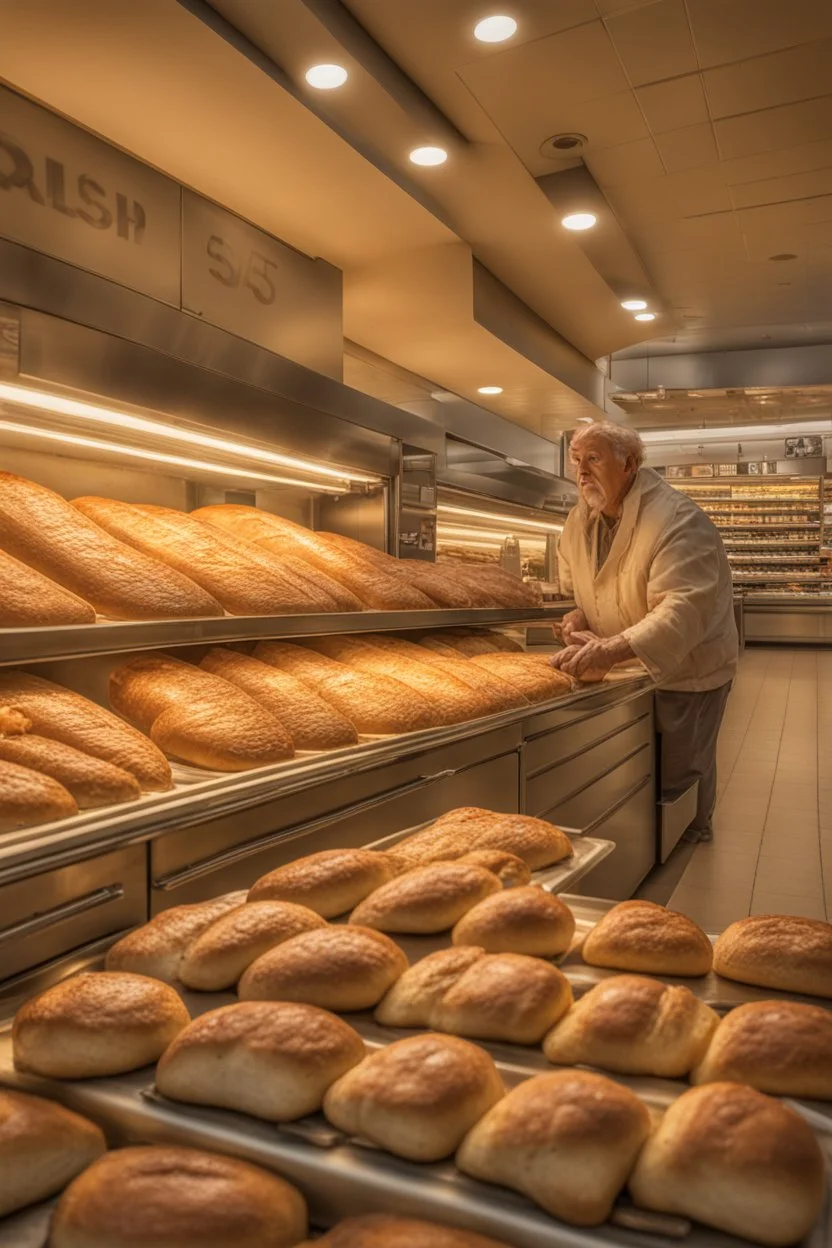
68 194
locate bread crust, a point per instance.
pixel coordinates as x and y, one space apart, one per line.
92 782
538 843
427 899
780 1047
534 677
28 599
526 920
779 951
29 798
42 1147
218 957
385 1230
641 936
330 882
157 948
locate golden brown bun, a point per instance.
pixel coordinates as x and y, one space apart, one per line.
163 1197
778 951
271 1059
734 1159
310 721
96 1024
92 782
42 1147
566 1140
780 1047
28 798
499 695
158 947
522 920
510 870
61 715
416 1097
30 600
218 956
483 996
385 1230
330 882
196 717
538 843
427 899
336 968
641 936
634 1026
535 679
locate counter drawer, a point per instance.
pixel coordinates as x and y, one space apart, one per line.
572 738
631 824
561 784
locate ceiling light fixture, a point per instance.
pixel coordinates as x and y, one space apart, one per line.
586 420
645 316
490 390
326 77
634 305
495 29
498 518
579 221
730 434
428 156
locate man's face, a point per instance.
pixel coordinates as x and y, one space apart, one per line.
601 476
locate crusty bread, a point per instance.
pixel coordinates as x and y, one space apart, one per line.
439 585
533 676
634 1026
330 882
416 1097
526 920
426 899
42 1147
641 936
566 1140
781 1047
164 1197
28 599
158 947
500 695
780 951
337 968
218 956
538 843
501 641
91 781
310 720
271 1059
29 798
734 1159
483 996
510 870
196 717
494 586
61 715
470 644
386 1230
96 1024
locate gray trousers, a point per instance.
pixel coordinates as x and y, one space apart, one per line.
689 724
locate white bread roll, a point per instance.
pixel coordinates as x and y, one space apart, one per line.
158 947
336 968
218 956
386 1230
30 600
538 843
164 1197
634 1026
96 1024
567 1140
42 1147
28 798
780 1047
641 936
736 1160
427 899
483 996
780 951
417 1097
92 782
510 870
330 882
521 920
272 1059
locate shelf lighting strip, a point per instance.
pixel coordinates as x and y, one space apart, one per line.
454 532
509 521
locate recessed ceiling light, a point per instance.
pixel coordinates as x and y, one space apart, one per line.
586 420
428 156
645 316
634 305
579 221
784 255
326 77
490 390
495 29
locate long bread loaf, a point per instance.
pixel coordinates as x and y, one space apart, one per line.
500 695
28 798
92 782
29 599
444 590
531 674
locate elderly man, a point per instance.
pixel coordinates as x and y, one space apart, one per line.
651 580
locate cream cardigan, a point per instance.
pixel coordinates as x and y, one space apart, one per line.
666 585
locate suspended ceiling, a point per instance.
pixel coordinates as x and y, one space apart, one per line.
701 409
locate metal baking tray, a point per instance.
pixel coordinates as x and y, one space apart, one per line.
29 1227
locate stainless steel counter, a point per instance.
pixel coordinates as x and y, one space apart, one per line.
788 620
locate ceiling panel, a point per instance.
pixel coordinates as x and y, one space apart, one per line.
654 42
783 190
607 8
773 128
689 148
628 163
734 30
768 81
673 104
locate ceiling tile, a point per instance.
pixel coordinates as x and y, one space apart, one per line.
733 30
780 190
768 81
689 148
654 42
608 7
629 162
773 128
783 163
673 104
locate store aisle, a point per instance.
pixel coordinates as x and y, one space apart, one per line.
772 847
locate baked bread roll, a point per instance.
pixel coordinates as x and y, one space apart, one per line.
538 843
510 870
641 936
499 695
734 1159
196 717
61 715
336 968
483 996
523 920
92 782
417 1097
42 1147
158 947
271 1059
96 1024
330 882
46 532
531 674
217 958
386 1230
427 899
567 1141
30 600
780 951
780 1047
28 798
310 721
634 1026
164 1197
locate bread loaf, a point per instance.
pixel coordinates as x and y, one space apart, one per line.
503 589
483 996
780 951
538 843
216 959
385 1230
510 870
780 1047
157 948
471 644
499 695
310 721
427 899
567 1141
96 1024
522 920
28 798
330 882
417 1097
634 1026
196 717
91 781
501 641
641 936
61 715
440 586
736 1160
336 968
42 1147
28 599
271 1059
164 1197
536 680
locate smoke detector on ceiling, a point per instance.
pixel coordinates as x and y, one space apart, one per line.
563 146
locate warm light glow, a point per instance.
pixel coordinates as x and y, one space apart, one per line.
495 29
490 390
737 433
509 521
634 305
428 156
326 77
645 316
461 533
579 221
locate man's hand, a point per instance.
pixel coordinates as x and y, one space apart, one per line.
596 656
574 622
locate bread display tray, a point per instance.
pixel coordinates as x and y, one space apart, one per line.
29 1227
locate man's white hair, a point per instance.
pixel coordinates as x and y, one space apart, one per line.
623 440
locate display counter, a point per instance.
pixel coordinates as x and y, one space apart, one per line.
788 619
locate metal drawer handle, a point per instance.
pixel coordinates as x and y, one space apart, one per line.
59 914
